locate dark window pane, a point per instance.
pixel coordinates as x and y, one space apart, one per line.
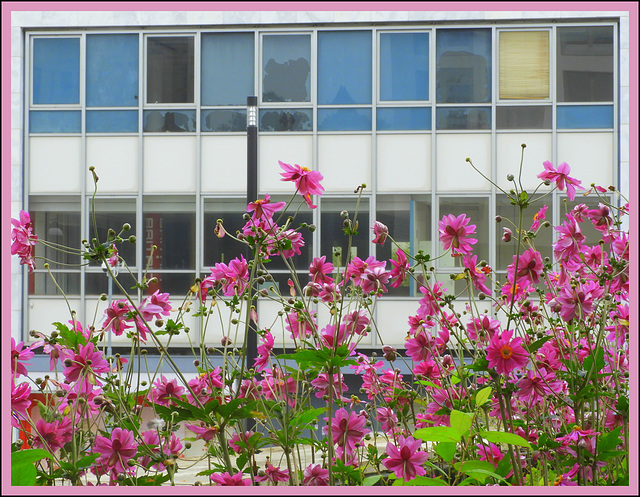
56 71
344 119
156 121
524 117
41 283
334 242
170 225
97 283
55 121
223 249
170 69
176 284
463 65
112 121
224 120
403 118
221 51
463 118
286 120
404 66
585 64
585 116
286 68
56 220
344 67
112 70
113 214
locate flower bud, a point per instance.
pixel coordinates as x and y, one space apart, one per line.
506 235
509 177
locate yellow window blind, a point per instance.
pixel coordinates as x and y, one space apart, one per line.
524 64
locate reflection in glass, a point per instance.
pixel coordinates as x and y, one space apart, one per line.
113 214
56 71
286 68
585 64
55 121
97 283
286 120
222 249
177 284
523 117
41 283
403 118
170 69
404 66
156 121
112 121
224 120
585 116
344 119
463 71
463 118
56 220
334 242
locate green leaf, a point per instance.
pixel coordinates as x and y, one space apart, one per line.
438 434
371 480
23 472
610 440
598 357
460 421
420 481
505 438
446 450
483 396
307 417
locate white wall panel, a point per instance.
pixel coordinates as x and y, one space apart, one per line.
404 162
289 149
589 155
44 311
223 164
509 150
169 164
392 320
116 160
453 172
55 164
344 161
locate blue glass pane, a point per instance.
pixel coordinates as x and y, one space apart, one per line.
286 120
56 71
286 68
463 70
463 118
161 121
112 121
344 119
220 85
55 121
344 67
585 116
404 118
404 66
222 120
112 70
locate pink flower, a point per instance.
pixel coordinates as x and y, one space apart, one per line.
505 354
567 248
264 350
20 402
430 303
163 449
506 235
529 268
427 369
483 328
155 306
319 270
356 322
53 436
561 177
315 476
357 267
421 347
578 302
24 240
85 364
277 385
116 450
406 461
321 382
387 419
117 319
374 280
227 480
203 432
380 231
400 269
491 453
273 474
300 325
113 260
535 387
453 234
478 276
347 429
537 217
235 276
307 182
164 391
283 239
20 353
264 208
240 437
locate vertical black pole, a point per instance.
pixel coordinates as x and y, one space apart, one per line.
252 195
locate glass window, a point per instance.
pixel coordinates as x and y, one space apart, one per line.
41 283
112 70
585 64
592 235
404 66
585 116
344 67
220 52
524 117
97 283
56 71
170 225
408 218
334 242
509 214
113 214
403 118
112 121
156 121
55 121
286 68
344 119
463 70
286 120
463 118
524 65
223 249
476 208
170 69
222 120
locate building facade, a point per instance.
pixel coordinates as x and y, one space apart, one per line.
156 102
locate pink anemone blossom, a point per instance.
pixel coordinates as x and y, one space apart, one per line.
506 354
406 460
380 232
115 450
307 182
24 240
561 177
315 475
454 232
227 480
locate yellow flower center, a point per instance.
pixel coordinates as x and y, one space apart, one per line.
506 352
